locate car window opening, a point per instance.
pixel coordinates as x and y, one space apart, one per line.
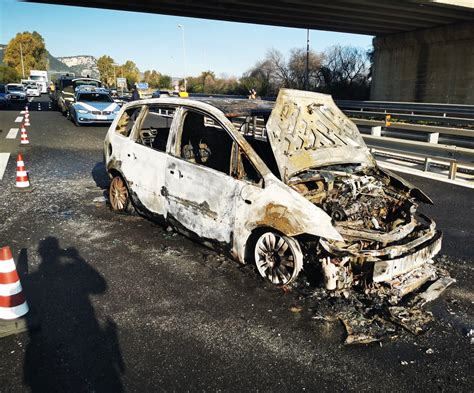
127 120
253 128
155 128
205 142
242 167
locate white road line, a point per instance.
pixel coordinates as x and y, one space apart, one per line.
22 112
4 157
19 119
12 133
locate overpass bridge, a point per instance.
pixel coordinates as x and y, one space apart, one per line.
424 49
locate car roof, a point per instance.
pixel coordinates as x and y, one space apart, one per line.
236 107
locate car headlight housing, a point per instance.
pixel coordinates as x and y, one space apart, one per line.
82 111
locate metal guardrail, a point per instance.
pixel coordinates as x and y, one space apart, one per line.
452 155
445 110
450 121
417 127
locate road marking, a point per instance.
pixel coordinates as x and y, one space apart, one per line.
12 133
19 119
4 157
22 112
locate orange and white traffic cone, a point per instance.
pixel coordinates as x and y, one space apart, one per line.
12 300
27 119
22 180
26 108
23 136
15 315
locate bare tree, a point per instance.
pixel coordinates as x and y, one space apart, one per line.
345 72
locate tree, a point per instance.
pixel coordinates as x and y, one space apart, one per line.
131 72
33 49
165 81
8 74
261 78
106 70
152 77
297 69
345 73
275 72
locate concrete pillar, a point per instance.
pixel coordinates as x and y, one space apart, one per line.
432 65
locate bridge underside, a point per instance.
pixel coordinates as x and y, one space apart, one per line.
371 17
423 48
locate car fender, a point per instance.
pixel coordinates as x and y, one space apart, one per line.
285 210
278 207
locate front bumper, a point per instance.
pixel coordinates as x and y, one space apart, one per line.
18 99
90 118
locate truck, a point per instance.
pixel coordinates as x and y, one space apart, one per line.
40 77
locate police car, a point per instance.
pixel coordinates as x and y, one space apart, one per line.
93 105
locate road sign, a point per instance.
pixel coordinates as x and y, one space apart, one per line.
121 82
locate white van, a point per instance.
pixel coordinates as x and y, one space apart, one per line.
40 77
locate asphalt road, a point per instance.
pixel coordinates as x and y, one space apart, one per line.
125 305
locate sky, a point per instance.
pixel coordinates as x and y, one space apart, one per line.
154 41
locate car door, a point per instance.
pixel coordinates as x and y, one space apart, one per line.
200 194
145 157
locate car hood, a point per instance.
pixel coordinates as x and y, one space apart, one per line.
96 106
307 130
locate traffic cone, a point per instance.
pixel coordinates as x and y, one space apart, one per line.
27 119
12 300
23 136
14 311
22 180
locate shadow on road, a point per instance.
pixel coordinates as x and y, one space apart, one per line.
99 174
72 351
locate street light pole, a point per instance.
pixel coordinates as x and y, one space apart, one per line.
184 58
22 65
306 79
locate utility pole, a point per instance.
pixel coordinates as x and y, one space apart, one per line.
184 58
115 75
22 65
306 78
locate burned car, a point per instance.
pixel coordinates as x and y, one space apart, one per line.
284 185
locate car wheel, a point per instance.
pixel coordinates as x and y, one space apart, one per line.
118 196
278 258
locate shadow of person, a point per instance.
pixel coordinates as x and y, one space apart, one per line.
71 352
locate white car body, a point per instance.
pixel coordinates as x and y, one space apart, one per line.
33 90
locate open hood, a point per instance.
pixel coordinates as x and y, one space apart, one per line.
307 130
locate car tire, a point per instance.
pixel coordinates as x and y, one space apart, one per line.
278 258
119 196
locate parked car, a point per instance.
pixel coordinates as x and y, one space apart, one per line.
33 90
93 105
283 185
17 92
5 99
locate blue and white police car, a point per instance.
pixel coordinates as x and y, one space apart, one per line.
93 105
